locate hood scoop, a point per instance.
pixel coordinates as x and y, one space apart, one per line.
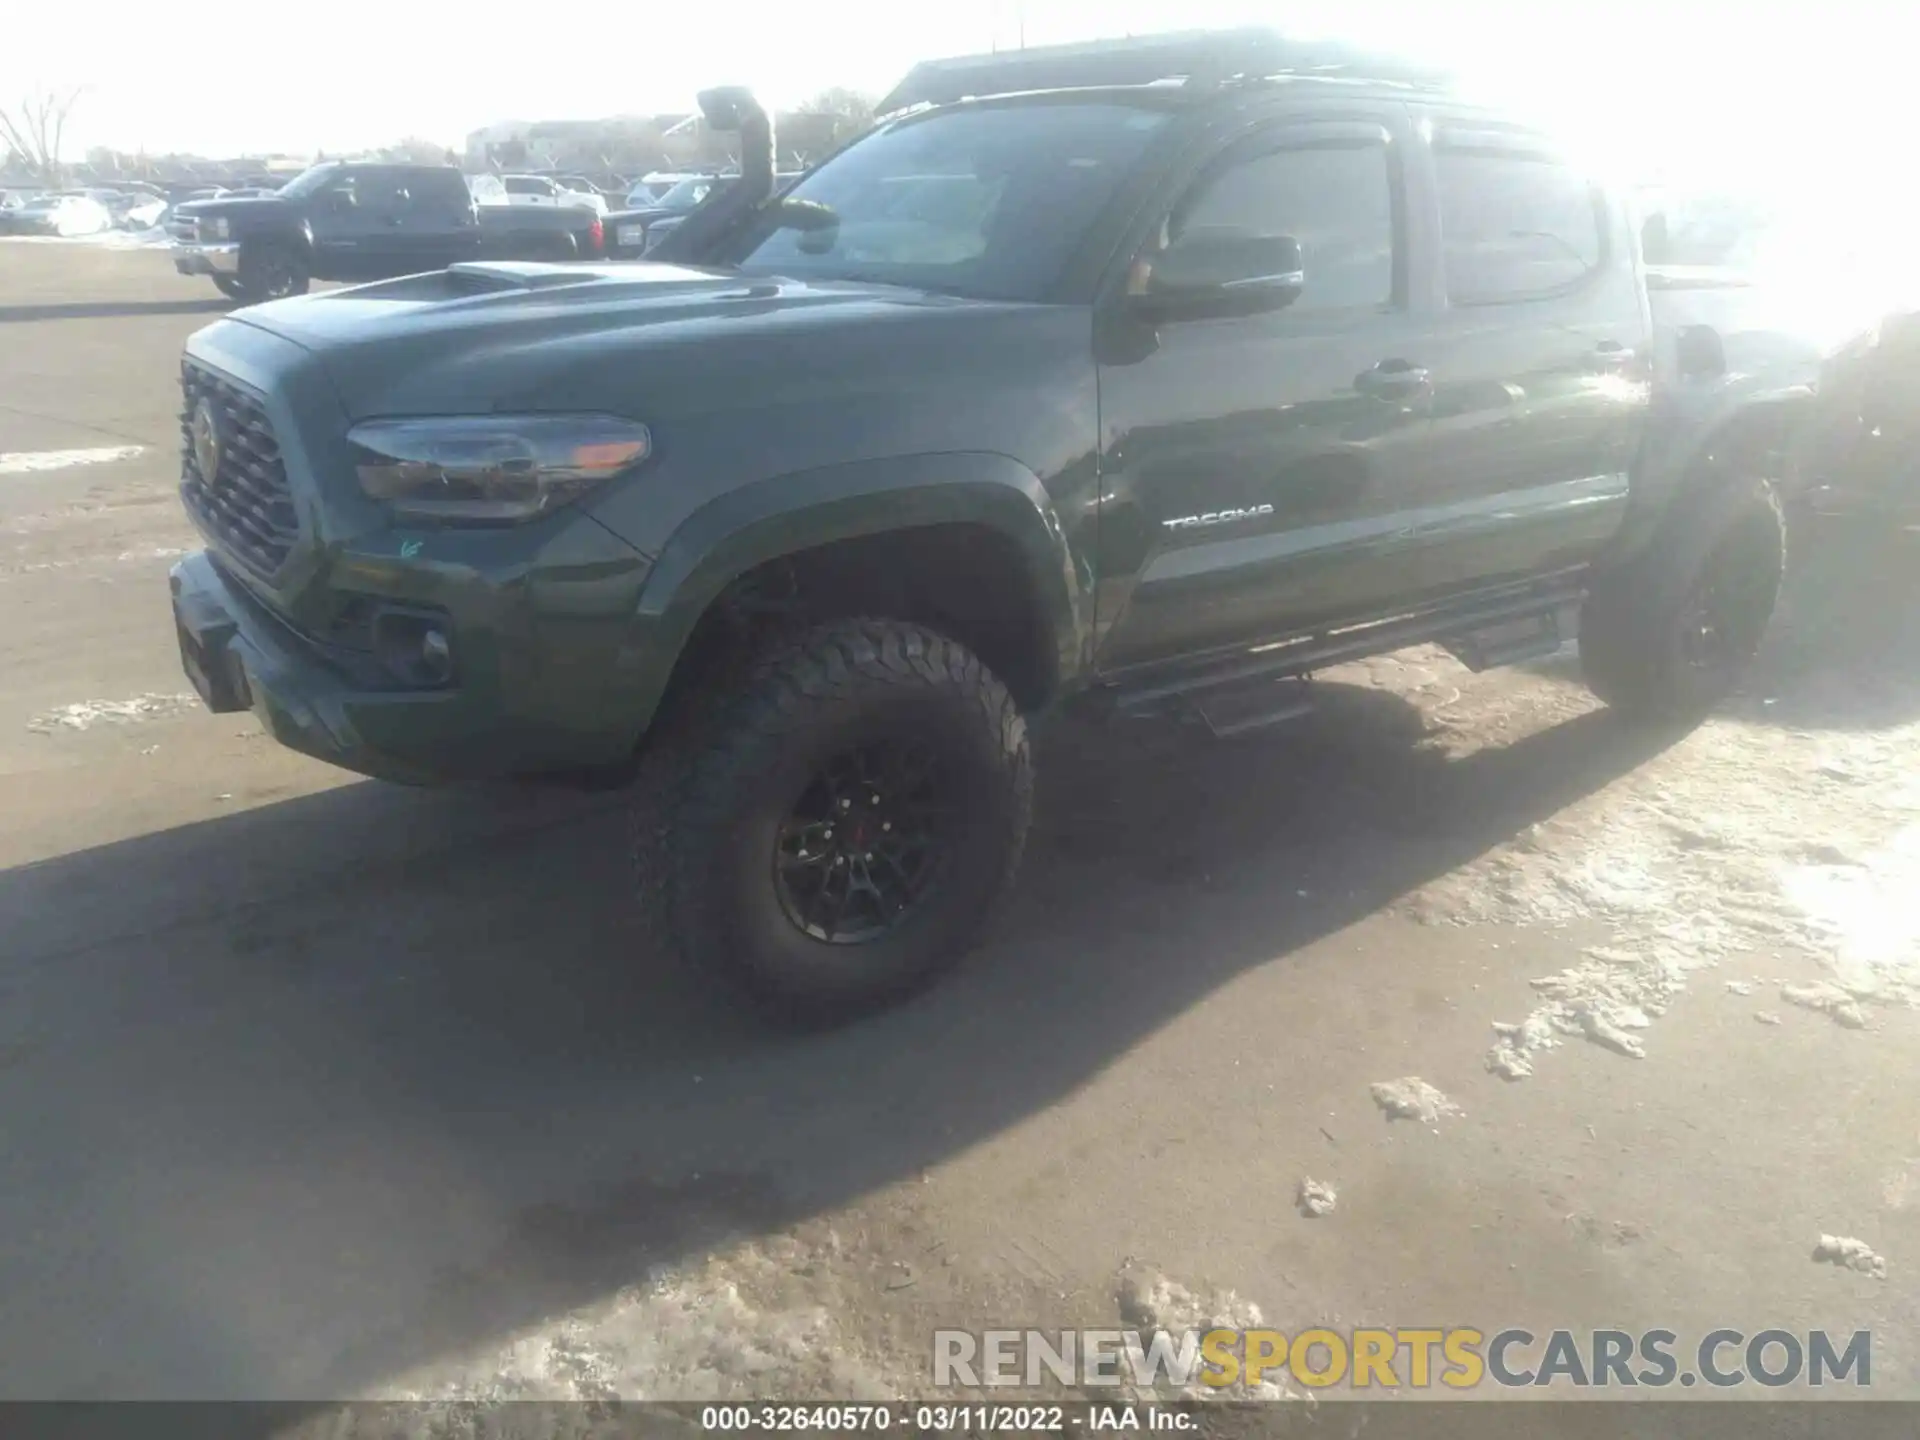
489 277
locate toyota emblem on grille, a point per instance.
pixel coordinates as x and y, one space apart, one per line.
209 439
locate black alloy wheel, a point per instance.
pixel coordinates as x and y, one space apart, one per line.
866 843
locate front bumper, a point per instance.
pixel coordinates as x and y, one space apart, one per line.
222 259
241 656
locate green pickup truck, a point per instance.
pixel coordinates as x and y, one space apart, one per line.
1145 377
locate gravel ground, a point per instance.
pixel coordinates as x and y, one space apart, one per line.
315 1088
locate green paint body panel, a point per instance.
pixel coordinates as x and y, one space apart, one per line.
789 415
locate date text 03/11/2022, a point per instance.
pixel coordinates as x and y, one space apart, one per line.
925 1419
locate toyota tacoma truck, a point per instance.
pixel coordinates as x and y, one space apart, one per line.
1145 377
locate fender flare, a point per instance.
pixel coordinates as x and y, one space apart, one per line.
802 510
1682 439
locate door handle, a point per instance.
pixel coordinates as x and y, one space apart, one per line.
1391 379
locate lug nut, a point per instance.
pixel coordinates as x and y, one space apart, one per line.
886 824
846 804
827 834
867 856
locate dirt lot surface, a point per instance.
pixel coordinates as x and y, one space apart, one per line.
312 1087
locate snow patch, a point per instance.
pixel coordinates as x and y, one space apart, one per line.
1149 1301
153 552
32 462
691 1335
1411 1098
1316 1198
1741 839
1829 1000
1850 1254
1865 915
85 714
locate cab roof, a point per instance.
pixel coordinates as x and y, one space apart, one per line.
1188 63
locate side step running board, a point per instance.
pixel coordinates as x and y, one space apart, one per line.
1254 707
1497 630
1526 637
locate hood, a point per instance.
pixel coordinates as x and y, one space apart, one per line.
241 205
495 336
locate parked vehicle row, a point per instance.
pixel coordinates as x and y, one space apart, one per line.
80 212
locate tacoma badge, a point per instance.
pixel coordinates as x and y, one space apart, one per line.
1218 517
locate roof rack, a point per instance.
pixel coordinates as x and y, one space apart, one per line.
1196 57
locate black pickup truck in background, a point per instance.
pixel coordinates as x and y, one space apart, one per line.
345 221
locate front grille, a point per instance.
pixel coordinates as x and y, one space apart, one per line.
245 504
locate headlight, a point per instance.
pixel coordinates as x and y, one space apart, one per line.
214 229
492 468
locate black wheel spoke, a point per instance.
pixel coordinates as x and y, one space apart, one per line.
865 842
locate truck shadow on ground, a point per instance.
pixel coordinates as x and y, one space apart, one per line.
303 1096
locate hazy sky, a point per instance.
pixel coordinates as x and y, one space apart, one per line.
1744 91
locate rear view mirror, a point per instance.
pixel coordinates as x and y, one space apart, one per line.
1224 272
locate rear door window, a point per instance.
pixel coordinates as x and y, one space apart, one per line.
1515 226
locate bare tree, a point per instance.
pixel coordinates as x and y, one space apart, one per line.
851 106
33 129
415 150
822 123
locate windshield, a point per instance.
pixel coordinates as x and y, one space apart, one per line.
685 195
987 201
309 180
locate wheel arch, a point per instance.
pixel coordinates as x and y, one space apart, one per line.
1690 447
861 512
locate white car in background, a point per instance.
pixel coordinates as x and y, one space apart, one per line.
144 211
539 190
653 186
70 212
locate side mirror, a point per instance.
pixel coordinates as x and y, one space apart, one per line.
1210 273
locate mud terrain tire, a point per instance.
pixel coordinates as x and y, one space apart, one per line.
868 763
1669 634
270 271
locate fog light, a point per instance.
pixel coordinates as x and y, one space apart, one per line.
436 656
415 648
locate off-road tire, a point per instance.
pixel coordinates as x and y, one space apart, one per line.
271 271
711 798
1728 542
230 286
